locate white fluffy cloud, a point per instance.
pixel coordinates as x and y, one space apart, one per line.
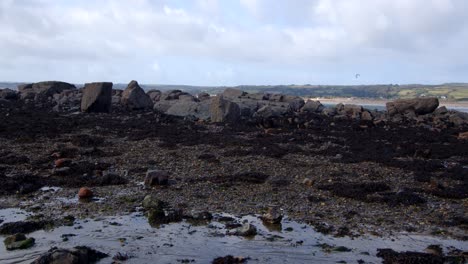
121 40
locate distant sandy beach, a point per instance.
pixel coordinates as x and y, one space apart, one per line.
382 102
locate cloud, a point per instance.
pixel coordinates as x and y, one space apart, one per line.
106 37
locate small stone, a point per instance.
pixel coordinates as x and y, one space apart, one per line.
273 215
60 163
85 193
246 230
156 177
307 182
463 135
18 241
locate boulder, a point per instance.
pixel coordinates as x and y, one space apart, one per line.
296 104
8 94
156 177
97 97
366 116
269 111
420 106
231 93
350 110
43 90
155 95
135 98
164 105
312 106
172 95
441 111
222 110
203 96
200 110
76 255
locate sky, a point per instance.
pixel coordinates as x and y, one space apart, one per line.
235 42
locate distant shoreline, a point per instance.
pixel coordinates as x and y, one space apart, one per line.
381 102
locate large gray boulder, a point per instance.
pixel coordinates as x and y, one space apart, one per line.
269 111
420 106
155 95
97 97
231 93
200 110
43 90
172 95
135 98
352 110
222 110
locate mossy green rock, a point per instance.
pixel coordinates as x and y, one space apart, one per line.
18 241
151 202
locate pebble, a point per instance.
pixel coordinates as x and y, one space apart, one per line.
84 193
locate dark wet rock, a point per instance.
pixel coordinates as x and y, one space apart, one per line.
159 216
434 250
296 104
8 94
20 184
120 256
43 90
156 177
273 215
97 97
441 110
390 256
18 241
229 260
199 216
135 98
76 255
23 227
312 106
222 110
6 103
246 230
419 106
155 95
358 191
330 248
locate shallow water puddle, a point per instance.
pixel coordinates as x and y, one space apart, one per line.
173 243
